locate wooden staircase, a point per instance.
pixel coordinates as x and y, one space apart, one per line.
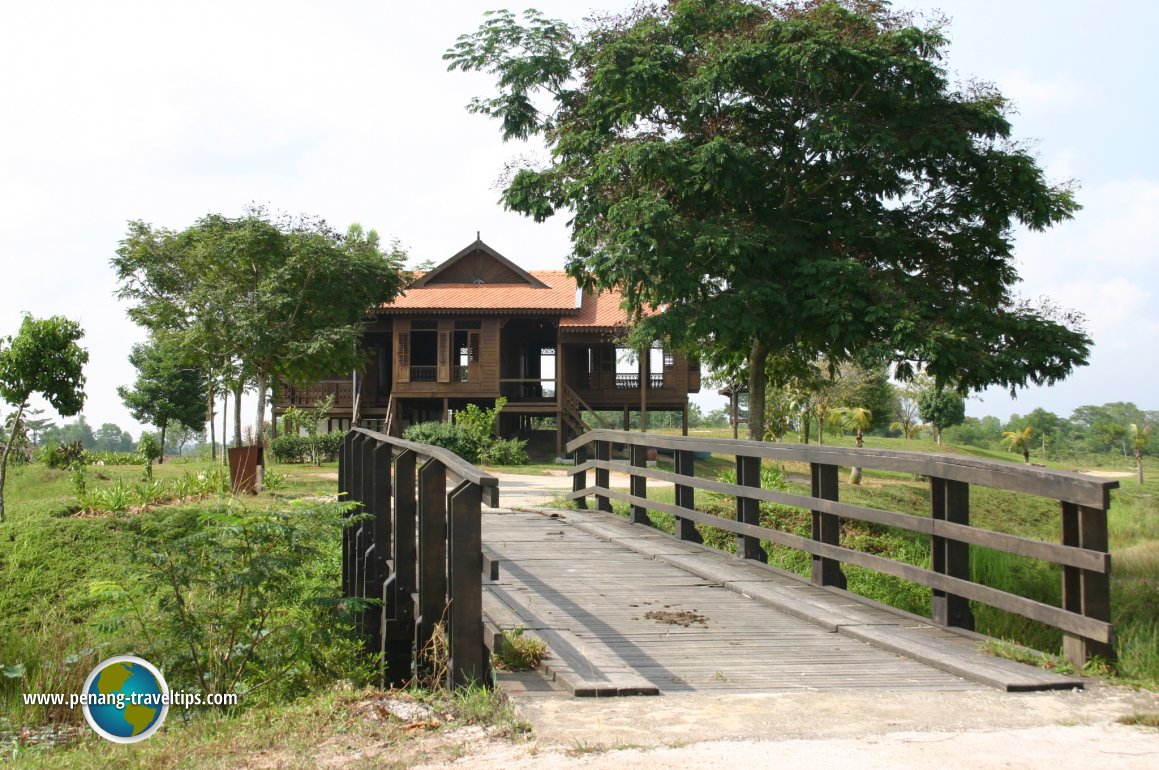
573 411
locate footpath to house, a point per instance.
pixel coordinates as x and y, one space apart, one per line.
975 727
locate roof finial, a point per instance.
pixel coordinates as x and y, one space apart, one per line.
477 236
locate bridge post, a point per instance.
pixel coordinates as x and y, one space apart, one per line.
432 553
826 526
603 475
748 511
638 485
464 624
398 601
685 497
950 502
376 479
1085 591
580 479
361 534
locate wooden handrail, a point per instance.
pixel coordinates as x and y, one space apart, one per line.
418 555
1082 553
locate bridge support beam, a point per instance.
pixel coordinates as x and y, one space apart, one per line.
826 526
1085 591
950 502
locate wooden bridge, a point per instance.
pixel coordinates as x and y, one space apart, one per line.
626 609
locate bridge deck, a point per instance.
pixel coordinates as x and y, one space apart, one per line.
629 611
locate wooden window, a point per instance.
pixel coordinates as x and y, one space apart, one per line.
444 356
402 350
473 347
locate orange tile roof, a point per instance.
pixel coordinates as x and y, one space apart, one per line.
559 297
598 311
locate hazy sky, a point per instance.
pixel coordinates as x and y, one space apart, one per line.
165 112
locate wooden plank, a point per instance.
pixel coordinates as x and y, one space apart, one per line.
685 494
826 526
465 560
1096 630
432 549
950 501
1061 485
999 541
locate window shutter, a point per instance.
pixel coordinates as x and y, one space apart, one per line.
473 348
444 356
402 352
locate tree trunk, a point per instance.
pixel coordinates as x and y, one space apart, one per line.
212 426
224 424
163 426
758 378
12 438
1026 454
820 430
1138 468
259 434
237 391
806 426
855 472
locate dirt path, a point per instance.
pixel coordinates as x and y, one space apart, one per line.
1056 731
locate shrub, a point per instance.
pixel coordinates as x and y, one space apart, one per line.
519 652
330 444
449 436
506 451
232 600
62 456
289 449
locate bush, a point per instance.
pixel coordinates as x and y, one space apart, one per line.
233 600
289 449
330 444
61 456
449 436
506 451
297 449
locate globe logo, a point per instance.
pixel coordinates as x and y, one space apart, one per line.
125 699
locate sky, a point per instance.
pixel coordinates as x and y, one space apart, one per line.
165 112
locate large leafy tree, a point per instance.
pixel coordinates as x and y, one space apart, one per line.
258 298
942 409
42 358
800 177
170 386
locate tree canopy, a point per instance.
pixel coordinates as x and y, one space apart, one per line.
170 387
798 180
42 358
258 298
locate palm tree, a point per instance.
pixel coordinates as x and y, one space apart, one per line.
1139 438
1019 441
860 418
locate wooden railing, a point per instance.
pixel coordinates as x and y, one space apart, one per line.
1085 614
574 409
419 552
309 395
632 381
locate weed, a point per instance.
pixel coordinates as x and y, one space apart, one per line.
519 652
1141 720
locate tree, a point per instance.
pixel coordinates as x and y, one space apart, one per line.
44 358
170 386
258 298
941 408
1139 437
110 438
905 409
1019 441
860 418
797 177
